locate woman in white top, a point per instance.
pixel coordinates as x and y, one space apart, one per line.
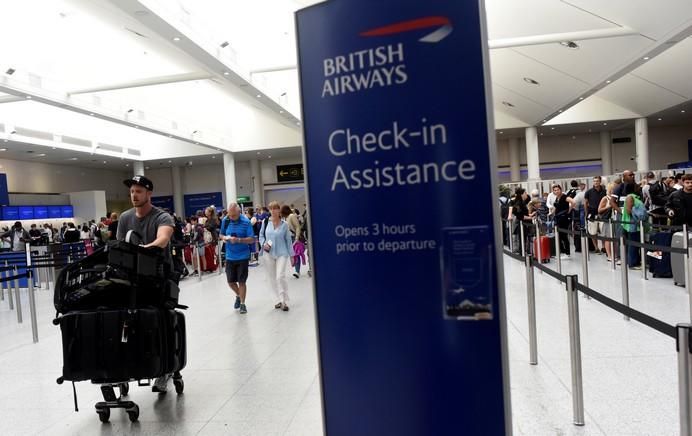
277 250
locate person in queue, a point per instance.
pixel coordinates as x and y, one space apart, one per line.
605 212
237 234
679 204
592 201
277 250
154 226
18 237
562 208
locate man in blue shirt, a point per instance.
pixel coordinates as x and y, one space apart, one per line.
237 234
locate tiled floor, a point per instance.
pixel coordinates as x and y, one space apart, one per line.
257 374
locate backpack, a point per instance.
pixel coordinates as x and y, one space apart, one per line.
639 212
659 193
504 207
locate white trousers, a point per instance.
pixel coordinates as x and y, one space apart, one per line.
276 275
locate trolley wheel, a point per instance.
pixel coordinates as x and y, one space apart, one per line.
179 386
124 389
104 414
133 413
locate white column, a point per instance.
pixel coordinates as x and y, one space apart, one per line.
606 154
229 178
515 174
138 168
177 179
641 129
257 185
532 159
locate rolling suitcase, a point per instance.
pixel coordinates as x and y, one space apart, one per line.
677 261
545 243
210 256
661 268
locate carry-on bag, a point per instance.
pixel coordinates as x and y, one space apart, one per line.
677 260
544 249
661 268
211 258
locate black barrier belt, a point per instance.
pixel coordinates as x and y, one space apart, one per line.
8 279
662 248
647 320
513 256
603 238
665 227
549 271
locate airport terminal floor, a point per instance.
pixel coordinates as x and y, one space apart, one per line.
257 374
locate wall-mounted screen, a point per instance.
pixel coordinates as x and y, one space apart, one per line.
54 211
66 212
10 213
26 212
40 212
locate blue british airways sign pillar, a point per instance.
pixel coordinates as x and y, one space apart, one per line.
409 295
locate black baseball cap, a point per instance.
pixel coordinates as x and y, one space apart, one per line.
141 181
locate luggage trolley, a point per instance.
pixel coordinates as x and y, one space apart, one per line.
102 290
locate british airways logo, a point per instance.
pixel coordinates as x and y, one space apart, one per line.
381 66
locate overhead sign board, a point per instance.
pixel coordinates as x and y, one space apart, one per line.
290 173
410 309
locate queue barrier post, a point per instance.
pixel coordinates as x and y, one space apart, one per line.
195 253
688 268
32 297
575 350
684 348
2 286
585 260
219 248
10 285
539 244
556 231
642 250
613 244
624 280
17 296
510 235
521 235
531 298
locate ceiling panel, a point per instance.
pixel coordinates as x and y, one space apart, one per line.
510 68
639 95
593 61
655 19
671 69
512 18
524 109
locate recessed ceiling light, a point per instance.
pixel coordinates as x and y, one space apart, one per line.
3 149
297 123
170 136
53 148
508 104
73 158
136 127
605 124
176 38
213 157
660 119
608 81
581 98
28 97
146 168
41 154
105 161
259 95
127 165
281 112
682 111
269 156
570 44
170 161
502 133
541 134
196 143
259 152
552 128
560 111
91 113
530 81
6 140
646 58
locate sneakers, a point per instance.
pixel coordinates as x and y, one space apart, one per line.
161 384
637 267
284 307
237 303
564 256
296 275
278 305
243 309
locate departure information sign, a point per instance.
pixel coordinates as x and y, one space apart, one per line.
289 173
410 301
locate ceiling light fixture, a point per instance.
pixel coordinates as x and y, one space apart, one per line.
259 95
105 161
646 58
28 97
570 45
213 157
501 133
224 44
269 156
581 98
682 111
3 149
608 81
10 71
530 81
552 128
41 154
176 39
508 104
560 111
226 73
130 111
73 158
605 124
281 112
660 119
91 113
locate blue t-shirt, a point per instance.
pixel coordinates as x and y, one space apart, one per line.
240 228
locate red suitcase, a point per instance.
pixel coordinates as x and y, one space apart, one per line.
187 254
210 256
544 253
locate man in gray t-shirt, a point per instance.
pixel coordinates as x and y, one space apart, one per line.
153 225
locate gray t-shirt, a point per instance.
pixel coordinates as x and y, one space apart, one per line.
146 226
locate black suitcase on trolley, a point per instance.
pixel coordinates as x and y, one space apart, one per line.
109 346
661 268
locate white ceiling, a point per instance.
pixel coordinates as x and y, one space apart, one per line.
62 46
